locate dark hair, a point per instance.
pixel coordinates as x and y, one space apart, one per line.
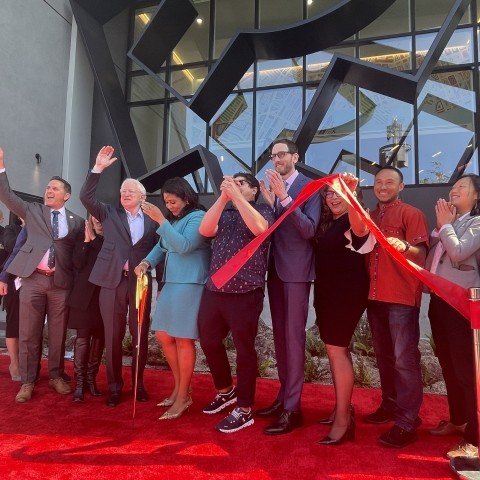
389 167
67 187
326 217
251 180
475 179
292 146
181 188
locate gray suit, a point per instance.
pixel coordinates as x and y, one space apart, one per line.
451 332
292 269
117 295
40 294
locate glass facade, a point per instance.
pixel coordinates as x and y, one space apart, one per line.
435 137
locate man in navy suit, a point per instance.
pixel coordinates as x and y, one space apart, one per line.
129 235
290 275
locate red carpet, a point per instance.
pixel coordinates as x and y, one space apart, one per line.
52 438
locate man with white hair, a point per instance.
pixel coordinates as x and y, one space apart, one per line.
129 235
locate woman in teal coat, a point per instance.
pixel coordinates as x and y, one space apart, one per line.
186 255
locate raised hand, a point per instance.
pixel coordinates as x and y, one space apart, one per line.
104 158
267 194
2 162
446 213
350 180
153 212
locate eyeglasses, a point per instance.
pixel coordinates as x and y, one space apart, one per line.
244 182
330 194
280 155
128 192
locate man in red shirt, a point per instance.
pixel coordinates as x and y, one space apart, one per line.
393 310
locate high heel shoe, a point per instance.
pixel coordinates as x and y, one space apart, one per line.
172 416
166 402
329 420
349 435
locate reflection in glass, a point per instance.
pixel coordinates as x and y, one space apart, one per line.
388 124
232 129
395 53
145 87
188 80
428 15
231 16
278 72
148 122
185 130
396 19
333 147
318 62
279 113
458 50
446 108
274 15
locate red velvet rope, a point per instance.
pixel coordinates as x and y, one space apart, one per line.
453 294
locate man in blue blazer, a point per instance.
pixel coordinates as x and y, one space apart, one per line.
129 235
290 275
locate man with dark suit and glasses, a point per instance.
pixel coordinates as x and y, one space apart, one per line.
45 265
290 275
129 235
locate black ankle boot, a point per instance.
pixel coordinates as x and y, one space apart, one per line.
80 367
96 352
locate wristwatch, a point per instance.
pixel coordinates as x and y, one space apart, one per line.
407 246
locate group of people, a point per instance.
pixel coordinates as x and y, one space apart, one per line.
324 241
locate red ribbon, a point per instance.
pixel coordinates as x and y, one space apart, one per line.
450 292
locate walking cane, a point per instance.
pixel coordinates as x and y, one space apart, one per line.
140 299
468 467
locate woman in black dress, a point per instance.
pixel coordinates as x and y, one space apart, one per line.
85 313
340 298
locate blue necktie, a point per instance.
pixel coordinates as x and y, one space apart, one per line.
51 253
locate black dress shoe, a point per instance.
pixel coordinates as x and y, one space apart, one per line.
274 410
380 416
142 395
287 421
113 399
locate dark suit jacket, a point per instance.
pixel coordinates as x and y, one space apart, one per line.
40 237
117 245
292 246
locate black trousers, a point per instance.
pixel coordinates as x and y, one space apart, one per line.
239 313
453 339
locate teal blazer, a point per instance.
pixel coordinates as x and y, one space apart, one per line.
186 253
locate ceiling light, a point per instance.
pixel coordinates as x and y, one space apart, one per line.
199 21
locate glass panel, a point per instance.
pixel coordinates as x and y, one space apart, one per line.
193 46
446 109
278 72
333 147
277 13
458 50
187 81
318 62
231 16
247 80
142 18
278 115
396 19
394 53
383 122
428 15
185 130
231 133
148 123
145 87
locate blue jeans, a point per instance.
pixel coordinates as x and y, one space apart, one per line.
396 333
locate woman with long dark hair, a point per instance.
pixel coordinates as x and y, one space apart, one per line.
455 255
186 254
340 298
